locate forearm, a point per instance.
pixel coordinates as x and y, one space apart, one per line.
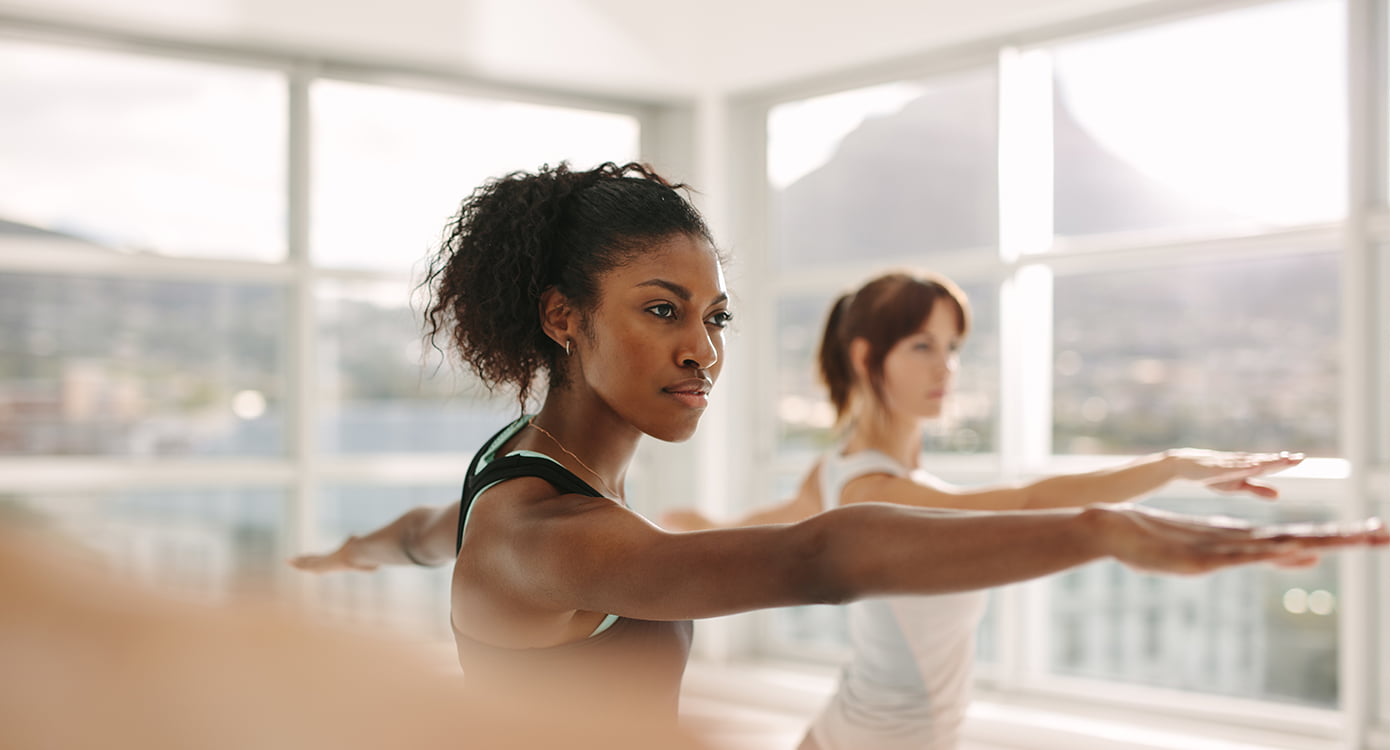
422 536
1107 486
875 549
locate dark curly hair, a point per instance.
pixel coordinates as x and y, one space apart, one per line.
516 236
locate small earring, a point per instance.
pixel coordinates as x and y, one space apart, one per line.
568 347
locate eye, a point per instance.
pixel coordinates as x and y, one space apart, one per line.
922 346
721 319
664 310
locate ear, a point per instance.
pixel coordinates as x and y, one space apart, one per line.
859 352
558 318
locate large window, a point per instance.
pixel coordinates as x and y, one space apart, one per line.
137 154
209 355
1174 268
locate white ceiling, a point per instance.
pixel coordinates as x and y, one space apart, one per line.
631 47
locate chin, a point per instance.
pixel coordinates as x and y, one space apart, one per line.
674 432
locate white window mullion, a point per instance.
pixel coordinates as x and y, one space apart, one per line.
1358 625
1026 229
301 501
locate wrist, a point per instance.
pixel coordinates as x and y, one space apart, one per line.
1170 462
1098 527
349 551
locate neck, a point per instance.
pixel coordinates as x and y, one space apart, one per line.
897 436
601 442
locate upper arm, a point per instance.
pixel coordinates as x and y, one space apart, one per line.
437 539
531 550
932 493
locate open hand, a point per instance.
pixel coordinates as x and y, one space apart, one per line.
1159 542
339 560
1231 472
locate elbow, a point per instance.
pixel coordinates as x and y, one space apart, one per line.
822 571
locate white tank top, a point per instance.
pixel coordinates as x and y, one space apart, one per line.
906 686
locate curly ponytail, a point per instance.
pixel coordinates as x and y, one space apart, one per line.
516 236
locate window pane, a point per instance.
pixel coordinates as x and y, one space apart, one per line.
382 390
410 599
198 543
391 165
887 172
106 366
1247 129
1252 632
122 152
1236 355
804 411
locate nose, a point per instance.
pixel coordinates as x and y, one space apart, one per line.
699 351
949 363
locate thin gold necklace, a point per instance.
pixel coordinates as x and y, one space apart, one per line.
572 455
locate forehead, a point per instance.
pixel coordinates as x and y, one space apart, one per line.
942 320
680 259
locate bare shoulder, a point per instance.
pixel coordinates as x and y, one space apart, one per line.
875 488
516 506
506 585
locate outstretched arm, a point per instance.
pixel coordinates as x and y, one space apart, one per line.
530 550
1224 472
422 536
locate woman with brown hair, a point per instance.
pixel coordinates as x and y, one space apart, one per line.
888 357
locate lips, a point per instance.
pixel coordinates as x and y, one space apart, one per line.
694 386
693 393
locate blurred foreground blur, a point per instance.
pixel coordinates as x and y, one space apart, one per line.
93 661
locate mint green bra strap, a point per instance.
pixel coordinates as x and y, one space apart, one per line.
604 625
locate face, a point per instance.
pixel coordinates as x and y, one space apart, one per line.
919 369
656 340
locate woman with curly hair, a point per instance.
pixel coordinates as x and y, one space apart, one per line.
606 284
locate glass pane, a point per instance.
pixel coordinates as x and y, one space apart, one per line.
119 152
805 414
124 367
887 172
1247 129
198 543
1235 355
1252 632
405 598
391 165
382 390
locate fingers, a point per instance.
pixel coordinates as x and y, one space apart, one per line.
1198 545
1258 489
1214 467
311 563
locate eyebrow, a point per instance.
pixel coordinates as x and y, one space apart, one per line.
680 291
